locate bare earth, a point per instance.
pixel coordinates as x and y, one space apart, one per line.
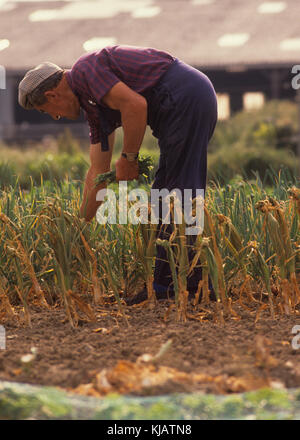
242 353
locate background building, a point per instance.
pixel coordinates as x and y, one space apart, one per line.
247 48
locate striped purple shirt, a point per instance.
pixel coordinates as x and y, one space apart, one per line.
95 73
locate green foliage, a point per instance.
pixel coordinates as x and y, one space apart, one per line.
37 166
7 174
145 167
19 401
274 125
45 219
254 142
250 142
230 161
66 143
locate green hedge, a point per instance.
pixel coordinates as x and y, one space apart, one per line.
24 167
228 162
249 142
275 125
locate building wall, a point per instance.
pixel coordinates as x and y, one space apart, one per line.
7 116
17 124
272 83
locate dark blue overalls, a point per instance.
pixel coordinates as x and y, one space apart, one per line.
182 113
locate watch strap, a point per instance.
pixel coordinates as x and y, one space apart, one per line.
130 156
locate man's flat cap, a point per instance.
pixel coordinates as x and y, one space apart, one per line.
33 79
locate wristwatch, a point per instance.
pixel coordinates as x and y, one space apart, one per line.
131 157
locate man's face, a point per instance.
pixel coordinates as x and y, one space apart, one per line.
61 103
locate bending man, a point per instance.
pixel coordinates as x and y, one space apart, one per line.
132 87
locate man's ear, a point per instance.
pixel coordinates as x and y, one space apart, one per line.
50 95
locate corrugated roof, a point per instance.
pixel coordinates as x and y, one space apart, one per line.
205 33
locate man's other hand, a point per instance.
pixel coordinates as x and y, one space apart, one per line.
126 170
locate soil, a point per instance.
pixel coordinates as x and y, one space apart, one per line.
245 346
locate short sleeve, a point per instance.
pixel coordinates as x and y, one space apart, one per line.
101 83
93 75
92 78
97 77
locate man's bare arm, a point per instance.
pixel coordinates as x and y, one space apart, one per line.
133 109
100 163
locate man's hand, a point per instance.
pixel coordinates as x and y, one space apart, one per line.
89 204
126 170
100 163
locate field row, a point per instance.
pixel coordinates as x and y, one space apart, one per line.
249 250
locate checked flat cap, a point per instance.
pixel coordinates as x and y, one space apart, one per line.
33 79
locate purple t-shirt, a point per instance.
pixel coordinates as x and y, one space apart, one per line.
95 73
